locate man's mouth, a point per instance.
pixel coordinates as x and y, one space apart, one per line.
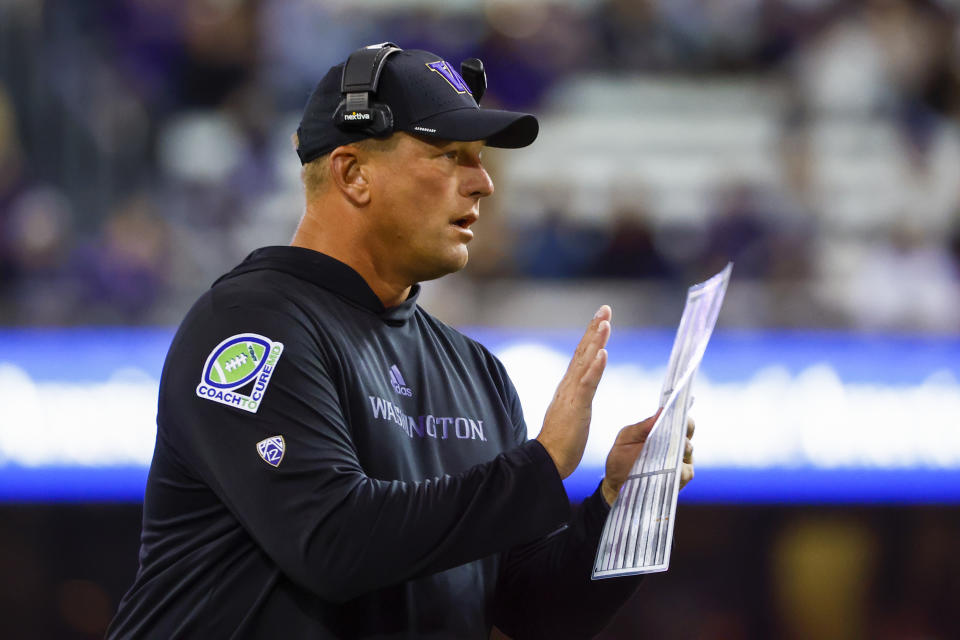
464 222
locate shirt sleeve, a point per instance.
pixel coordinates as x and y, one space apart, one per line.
545 589
316 514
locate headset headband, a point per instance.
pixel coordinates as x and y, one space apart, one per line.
358 110
361 73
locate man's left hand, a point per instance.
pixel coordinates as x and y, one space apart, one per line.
627 447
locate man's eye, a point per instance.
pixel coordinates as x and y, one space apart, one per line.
451 154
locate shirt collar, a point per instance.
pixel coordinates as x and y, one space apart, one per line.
329 273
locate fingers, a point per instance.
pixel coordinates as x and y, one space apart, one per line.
595 371
603 313
594 339
686 475
686 469
600 337
589 360
691 427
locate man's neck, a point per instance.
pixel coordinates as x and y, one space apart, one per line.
343 246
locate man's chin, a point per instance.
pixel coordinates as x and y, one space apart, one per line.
446 267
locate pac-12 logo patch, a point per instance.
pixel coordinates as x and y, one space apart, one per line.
271 450
238 371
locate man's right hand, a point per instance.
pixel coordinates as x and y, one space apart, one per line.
567 422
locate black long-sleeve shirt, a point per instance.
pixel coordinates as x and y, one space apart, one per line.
326 467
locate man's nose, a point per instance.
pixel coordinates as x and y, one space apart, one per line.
477 183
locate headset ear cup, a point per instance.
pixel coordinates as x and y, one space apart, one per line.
384 124
376 120
354 120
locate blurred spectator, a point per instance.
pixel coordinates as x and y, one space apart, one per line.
40 236
630 250
954 245
794 206
520 76
632 37
220 49
739 231
930 195
11 183
147 48
123 273
682 34
761 231
301 39
721 35
11 160
841 68
905 281
557 247
786 25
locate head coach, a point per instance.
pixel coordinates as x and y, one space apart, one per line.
334 462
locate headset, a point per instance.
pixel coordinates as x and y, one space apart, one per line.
357 112
361 75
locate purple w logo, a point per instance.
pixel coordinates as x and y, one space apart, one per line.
452 77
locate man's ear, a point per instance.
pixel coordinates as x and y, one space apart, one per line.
350 175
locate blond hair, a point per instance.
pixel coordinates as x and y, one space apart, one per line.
316 174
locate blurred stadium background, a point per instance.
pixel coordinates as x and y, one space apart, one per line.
145 149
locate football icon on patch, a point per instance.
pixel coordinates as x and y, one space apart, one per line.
236 361
271 450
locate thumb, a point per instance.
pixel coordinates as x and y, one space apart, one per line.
638 432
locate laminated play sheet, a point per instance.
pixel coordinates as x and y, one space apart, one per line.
638 534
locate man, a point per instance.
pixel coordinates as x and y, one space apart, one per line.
334 462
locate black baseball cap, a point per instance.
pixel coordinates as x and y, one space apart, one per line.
426 97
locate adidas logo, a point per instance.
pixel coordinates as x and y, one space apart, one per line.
399 384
